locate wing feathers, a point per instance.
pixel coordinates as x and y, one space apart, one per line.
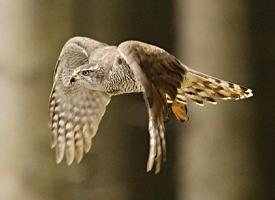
75 113
79 144
160 74
74 121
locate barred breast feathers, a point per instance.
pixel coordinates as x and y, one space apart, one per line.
121 79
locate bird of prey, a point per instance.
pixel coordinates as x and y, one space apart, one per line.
88 73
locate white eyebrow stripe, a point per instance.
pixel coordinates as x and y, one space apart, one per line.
94 67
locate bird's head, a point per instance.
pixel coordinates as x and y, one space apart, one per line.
90 76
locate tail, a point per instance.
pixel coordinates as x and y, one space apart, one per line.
201 88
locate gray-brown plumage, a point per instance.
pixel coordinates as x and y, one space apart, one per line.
88 73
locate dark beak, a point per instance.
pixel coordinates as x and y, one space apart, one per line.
73 79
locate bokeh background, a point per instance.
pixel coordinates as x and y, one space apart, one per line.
224 152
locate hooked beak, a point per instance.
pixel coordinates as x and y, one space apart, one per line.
74 78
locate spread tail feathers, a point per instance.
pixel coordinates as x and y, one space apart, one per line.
200 88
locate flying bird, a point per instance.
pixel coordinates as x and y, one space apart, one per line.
88 73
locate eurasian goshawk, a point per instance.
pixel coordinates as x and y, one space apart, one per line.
88 73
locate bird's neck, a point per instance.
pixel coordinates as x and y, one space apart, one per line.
121 80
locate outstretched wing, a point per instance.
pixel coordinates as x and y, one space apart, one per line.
75 112
160 74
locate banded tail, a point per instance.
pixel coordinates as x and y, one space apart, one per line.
201 88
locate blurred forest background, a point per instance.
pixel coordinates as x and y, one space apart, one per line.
224 152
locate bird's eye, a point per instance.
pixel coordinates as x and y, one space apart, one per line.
85 73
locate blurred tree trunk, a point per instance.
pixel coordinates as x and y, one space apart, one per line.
262 56
28 42
218 152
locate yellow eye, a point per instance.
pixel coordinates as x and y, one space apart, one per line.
85 73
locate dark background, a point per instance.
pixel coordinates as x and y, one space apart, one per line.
222 152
